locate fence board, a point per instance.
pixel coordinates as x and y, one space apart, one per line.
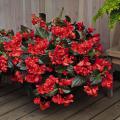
13 13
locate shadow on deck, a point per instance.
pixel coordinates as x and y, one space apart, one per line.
15 105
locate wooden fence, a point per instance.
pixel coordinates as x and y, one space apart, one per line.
13 13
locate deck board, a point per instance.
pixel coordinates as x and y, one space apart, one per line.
38 114
6 108
96 108
15 105
7 89
71 110
118 118
110 113
19 112
10 97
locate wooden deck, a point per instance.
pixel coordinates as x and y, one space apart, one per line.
15 105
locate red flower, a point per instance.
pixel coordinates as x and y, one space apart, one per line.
60 56
33 67
58 99
49 69
101 64
43 24
35 19
84 67
65 72
68 99
99 47
48 86
63 100
107 81
16 52
3 64
25 35
36 101
65 82
13 47
93 91
18 77
90 30
38 47
84 47
30 78
16 60
31 34
43 105
80 26
64 31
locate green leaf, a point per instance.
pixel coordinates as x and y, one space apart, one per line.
60 69
50 36
41 32
10 64
35 92
30 41
42 16
96 79
24 56
49 23
77 33
78 81
58 40
24 28
70 70
53 92
24 48
91 53
4 39
1 52
96 72
66 91
21 66
40 61
68 18
45 58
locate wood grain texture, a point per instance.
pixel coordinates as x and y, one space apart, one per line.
110 113
13 105
96 108
13 13
19 112
16 106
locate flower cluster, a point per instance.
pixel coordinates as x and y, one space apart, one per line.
63 100
107 81
38 47
85 47
48 86
13 47
33 67
60 56
84 67
64 31
55 58
3 64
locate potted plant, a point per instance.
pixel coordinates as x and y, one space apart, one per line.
57 58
